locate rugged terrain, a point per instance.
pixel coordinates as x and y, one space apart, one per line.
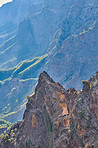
57 36
57 118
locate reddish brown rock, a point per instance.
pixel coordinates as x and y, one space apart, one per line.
56 118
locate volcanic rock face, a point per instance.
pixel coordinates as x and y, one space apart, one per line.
56 118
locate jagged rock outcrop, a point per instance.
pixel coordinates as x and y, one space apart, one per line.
56 118
64 29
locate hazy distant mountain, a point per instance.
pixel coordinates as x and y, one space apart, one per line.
36 31
75 58
11 14
15 11
73 54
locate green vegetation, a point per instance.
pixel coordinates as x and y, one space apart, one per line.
82 32
91 84
89 29
29 79
26 72
23 65
86 146
11 91
22 68
83 82
32 69
8 62
15 130
12 132
27 97
1 136
6 138
4 124
11 139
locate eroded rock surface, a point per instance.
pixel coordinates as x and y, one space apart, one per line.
56 118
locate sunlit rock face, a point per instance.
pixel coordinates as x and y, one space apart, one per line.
56 118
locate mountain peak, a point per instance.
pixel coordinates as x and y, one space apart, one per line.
44 76
55 117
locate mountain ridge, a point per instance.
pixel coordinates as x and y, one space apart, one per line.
55 117
57 37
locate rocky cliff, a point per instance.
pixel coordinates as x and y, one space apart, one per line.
57 118
59 36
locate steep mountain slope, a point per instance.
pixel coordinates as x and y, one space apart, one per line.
75 59
57 36
11 14
36 31
56 118
16 83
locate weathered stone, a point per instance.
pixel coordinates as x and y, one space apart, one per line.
56 118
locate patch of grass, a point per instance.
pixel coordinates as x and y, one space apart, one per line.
11 91
21 68
89 29
32 69
5 116
9 61
38 61
29 70
24 80
4 124
11 139
23 65
1 136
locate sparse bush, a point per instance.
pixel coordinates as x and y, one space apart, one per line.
11 139
27 97
91 84
6 138
15 130
86 146
1 136
83 82
11 132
